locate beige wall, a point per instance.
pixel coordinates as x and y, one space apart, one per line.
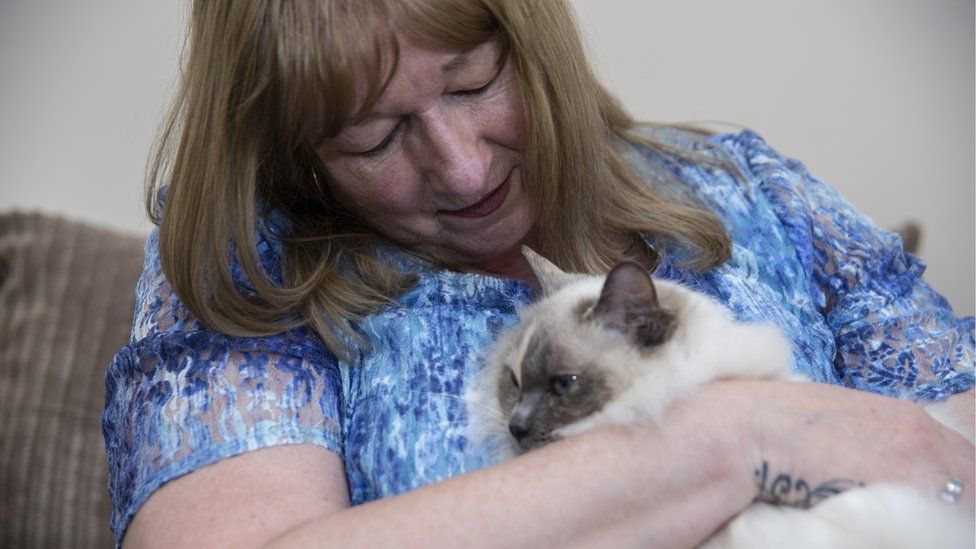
82 87
875 96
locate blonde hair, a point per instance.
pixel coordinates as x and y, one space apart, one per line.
258 77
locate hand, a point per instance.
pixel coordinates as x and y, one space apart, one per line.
803 442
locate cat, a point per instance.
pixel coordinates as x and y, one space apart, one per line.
597 351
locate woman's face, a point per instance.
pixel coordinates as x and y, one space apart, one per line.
436 163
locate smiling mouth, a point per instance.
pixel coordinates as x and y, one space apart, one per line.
486 205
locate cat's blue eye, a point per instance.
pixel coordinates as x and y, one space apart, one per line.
560 385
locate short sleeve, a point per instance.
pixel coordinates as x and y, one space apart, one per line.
894 334
179 397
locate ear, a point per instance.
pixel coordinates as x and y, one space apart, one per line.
628 304
550 277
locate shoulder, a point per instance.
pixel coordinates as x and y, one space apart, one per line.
722 172
737 176
159 310
180 396
750 148
744 150
764 166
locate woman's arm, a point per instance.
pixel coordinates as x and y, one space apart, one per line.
670 484
620 485
957 412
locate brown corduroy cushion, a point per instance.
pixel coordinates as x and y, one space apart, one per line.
66 302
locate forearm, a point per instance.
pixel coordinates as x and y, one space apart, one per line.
666 485
662 485
957 412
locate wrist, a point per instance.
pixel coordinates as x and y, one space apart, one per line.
716 435
726 418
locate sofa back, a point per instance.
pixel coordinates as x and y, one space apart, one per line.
66 304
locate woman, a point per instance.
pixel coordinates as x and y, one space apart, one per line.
347 186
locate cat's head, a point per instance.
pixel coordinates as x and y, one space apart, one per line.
568 357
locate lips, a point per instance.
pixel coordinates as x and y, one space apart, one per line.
486 205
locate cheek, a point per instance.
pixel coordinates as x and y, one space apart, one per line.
389 188
514 116
561 413
508 395
504 120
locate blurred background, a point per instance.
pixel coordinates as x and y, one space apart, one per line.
876 97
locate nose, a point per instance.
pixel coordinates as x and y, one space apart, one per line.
458 159
522 419
518 429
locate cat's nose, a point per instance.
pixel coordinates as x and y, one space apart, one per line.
518 429
523 416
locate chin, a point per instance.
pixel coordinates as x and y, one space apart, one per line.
496 243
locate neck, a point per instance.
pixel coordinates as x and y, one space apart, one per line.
510 263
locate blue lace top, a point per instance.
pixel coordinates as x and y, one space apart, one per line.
180 397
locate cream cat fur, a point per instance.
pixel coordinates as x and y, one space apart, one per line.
597 351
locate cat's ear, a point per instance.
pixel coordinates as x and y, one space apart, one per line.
628 303
550 277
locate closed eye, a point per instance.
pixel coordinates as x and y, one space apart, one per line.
387 141
481 89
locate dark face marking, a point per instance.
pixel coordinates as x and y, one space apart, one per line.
554 388
628 304
553 393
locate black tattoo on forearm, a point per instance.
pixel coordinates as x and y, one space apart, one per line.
783 489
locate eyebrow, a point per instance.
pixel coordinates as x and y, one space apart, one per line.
459 60
455 63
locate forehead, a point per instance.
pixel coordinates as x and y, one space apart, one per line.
541 351
557 337
408 70
419 66
334 58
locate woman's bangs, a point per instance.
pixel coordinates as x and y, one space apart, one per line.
454 24
344 60
335 62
